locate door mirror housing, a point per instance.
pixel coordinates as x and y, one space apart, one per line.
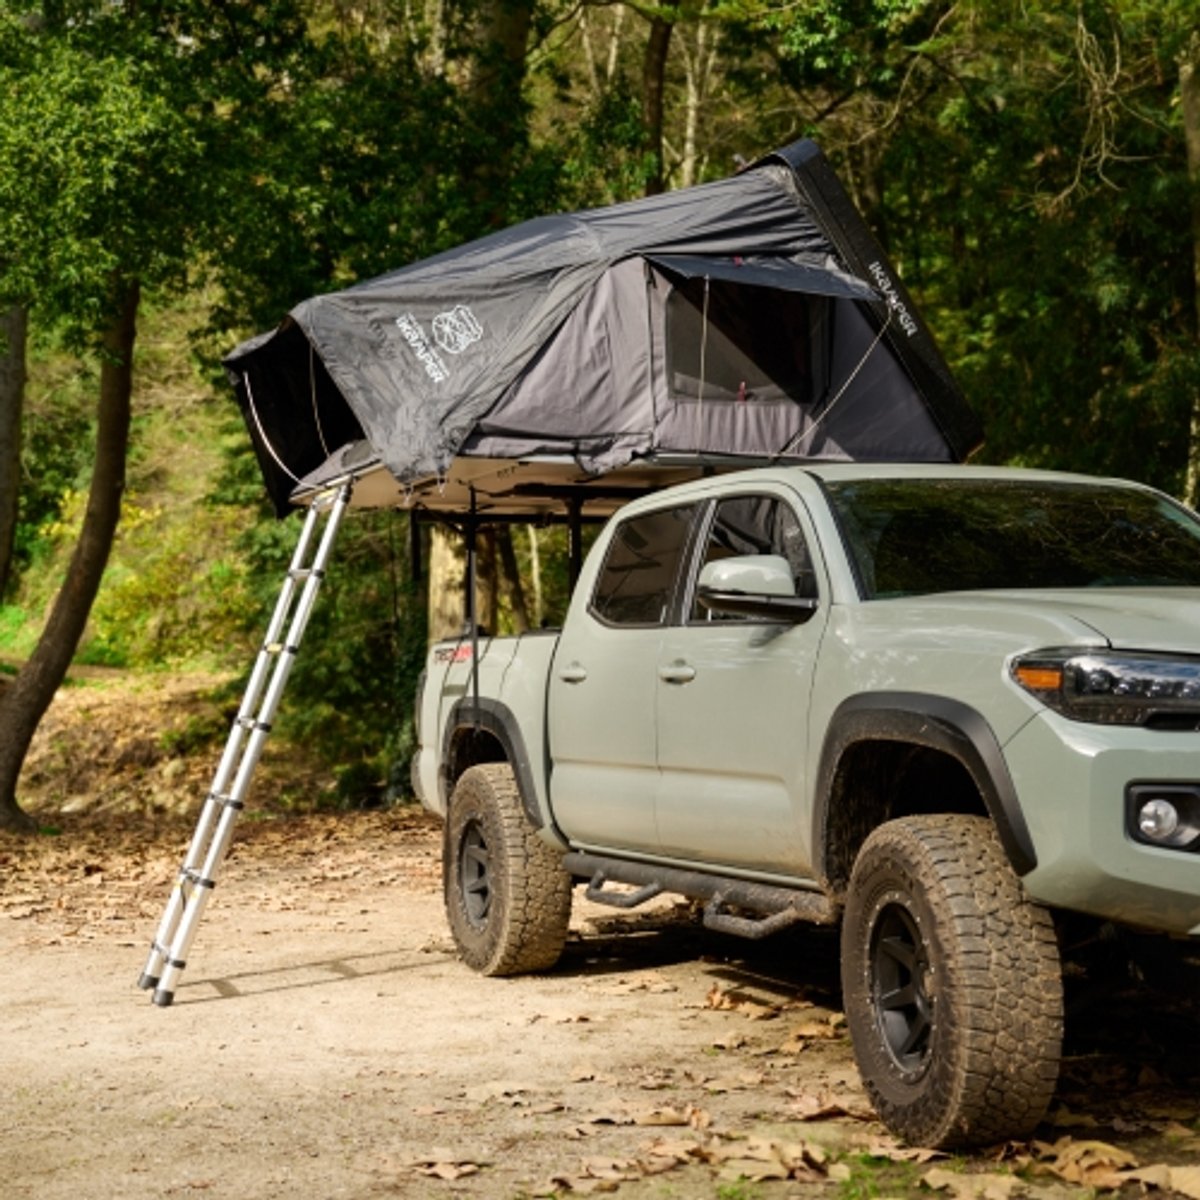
753 585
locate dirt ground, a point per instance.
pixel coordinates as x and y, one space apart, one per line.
325 1042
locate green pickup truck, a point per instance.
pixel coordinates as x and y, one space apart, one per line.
938 705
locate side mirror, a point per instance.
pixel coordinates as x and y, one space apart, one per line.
753 585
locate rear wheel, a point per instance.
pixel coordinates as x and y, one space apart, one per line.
952 984
508 897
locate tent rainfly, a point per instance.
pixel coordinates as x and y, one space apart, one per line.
746 321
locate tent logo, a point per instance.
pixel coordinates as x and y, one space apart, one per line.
457 329
892 297
427 356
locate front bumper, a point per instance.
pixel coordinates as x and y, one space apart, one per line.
1072 779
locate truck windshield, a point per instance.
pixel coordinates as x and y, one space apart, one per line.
916 536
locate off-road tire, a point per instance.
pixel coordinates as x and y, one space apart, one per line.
508 897
952 984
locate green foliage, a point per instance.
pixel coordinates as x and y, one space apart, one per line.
94 175
351 690
871 1176
198 733
604 158
740 1190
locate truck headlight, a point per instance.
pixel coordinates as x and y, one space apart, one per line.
1113 687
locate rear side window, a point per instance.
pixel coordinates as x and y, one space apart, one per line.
641 567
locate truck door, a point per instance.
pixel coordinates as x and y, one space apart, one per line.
733 700
603 684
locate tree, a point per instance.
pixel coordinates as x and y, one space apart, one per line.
103 144
13 327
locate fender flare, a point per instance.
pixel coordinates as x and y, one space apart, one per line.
941 724
498 720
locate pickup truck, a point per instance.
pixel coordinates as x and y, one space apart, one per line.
940 705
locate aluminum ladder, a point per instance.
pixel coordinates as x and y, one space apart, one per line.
247 736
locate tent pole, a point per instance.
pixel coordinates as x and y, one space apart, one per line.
415 564
575 565
472 603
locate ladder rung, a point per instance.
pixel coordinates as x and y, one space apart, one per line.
280 648
226 801
196 878
299 573
251 723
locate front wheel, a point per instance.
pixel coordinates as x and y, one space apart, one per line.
507 894
952 984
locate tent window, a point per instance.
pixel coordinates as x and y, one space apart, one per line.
761 344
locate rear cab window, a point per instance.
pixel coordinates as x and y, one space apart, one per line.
639 580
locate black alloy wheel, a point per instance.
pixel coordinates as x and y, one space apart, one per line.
900 978
474 874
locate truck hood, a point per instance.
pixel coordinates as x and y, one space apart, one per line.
1127 618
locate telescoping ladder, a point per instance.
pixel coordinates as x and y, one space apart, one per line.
247 736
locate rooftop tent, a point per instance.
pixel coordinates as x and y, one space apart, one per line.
749 320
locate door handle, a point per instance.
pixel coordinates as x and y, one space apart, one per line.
677 672
574 673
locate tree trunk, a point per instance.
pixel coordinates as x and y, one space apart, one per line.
496 103
699 63
26 700
1189 104
447 613
12 397
510 579
535 577
654 70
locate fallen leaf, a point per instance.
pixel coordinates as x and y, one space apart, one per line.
971 1187
660 1116
733 1041
759 1159
500 1090
734 1000
805 1106
1090 1163
895 1152
1184 1180
1187 1181
448 1171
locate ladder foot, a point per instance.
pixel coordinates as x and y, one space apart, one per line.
146 982
163 998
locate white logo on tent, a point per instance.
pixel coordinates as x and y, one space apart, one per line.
455 330
429 358
892 297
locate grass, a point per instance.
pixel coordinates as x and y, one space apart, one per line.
871 1177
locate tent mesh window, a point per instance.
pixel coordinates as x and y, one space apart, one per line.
739 344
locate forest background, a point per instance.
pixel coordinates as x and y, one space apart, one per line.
176 174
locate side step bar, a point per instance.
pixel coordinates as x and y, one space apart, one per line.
776 907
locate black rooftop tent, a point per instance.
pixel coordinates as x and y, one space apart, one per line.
749 320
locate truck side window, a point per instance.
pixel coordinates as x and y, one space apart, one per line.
757 525
638 577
